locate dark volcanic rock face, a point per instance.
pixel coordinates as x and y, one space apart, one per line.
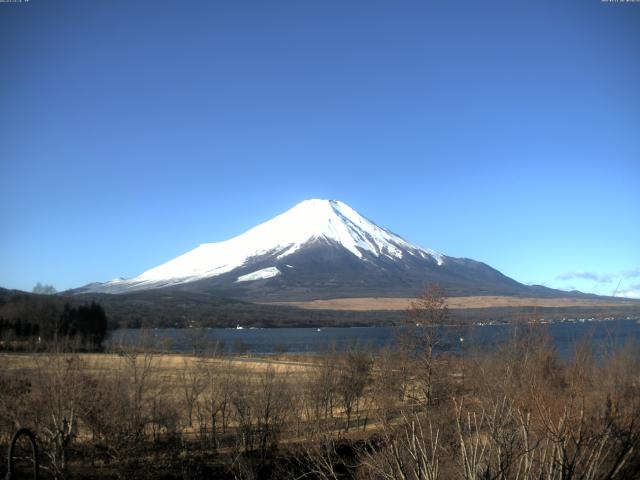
323 269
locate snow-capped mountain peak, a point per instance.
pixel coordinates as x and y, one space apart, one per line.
310 221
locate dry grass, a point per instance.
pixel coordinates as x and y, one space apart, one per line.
384 303
492 406
164 364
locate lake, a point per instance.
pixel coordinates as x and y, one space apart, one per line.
604 335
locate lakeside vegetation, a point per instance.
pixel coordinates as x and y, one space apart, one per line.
517 411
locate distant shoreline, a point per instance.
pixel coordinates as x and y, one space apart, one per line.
363 304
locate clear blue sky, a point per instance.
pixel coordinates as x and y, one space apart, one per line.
504 131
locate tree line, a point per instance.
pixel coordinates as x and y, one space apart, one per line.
29 320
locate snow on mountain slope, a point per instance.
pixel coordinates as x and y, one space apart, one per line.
309 221
262 274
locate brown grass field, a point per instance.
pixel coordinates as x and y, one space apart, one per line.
384 303
143 415
167 365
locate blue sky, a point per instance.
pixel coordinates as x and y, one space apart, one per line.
507 132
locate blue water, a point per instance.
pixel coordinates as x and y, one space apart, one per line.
602 335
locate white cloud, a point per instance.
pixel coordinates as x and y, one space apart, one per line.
596 277
603 283
629 294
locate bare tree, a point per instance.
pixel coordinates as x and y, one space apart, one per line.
44 289
354 375
59 392
320 391
213 403
390 382
192 383
409 450
422 335
272 407
322 460
196 339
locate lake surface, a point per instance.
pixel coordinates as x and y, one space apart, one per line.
603 335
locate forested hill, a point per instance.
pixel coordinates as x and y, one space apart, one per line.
165 308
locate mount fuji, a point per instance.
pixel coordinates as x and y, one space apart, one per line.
319 249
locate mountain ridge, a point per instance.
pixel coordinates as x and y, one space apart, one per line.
316 250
